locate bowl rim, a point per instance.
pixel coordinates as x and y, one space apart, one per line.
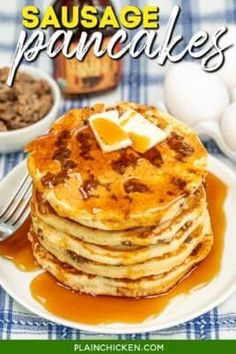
56 93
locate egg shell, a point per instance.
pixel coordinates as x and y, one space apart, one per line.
192 95
228 71
228 126
233 94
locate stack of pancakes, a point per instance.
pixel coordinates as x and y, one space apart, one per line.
119 223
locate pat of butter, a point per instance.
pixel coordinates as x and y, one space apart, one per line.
111 115
108 132
141 131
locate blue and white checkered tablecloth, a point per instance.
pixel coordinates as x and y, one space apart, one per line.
142 82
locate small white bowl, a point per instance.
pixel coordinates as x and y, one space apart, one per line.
16 140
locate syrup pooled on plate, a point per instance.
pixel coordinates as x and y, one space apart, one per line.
18 249
70 305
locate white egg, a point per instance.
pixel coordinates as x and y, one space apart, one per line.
233 94
228 126
192 95
228 70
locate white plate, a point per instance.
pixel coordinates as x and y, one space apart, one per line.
181 309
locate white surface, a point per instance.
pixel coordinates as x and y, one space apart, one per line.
228 126
16 140
228 70
193 95
213 130
181 309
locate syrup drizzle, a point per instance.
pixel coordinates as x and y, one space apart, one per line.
18 249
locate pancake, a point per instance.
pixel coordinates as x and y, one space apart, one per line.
121 189
115 255
191 209
153 266
118 223
97 285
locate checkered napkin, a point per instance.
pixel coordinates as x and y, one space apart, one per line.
142 82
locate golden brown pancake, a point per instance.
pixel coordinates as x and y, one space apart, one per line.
120 256
119 223
143 236
121 189
169 255
98 285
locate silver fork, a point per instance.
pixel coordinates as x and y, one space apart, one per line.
16 210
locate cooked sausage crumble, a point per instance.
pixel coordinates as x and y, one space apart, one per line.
25 103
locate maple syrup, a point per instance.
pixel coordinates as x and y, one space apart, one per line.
18 249
93 74
110 132
71 305
140 143
88 309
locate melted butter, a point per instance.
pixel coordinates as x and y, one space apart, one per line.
125 121
140 143
110 132
104 309
18 249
